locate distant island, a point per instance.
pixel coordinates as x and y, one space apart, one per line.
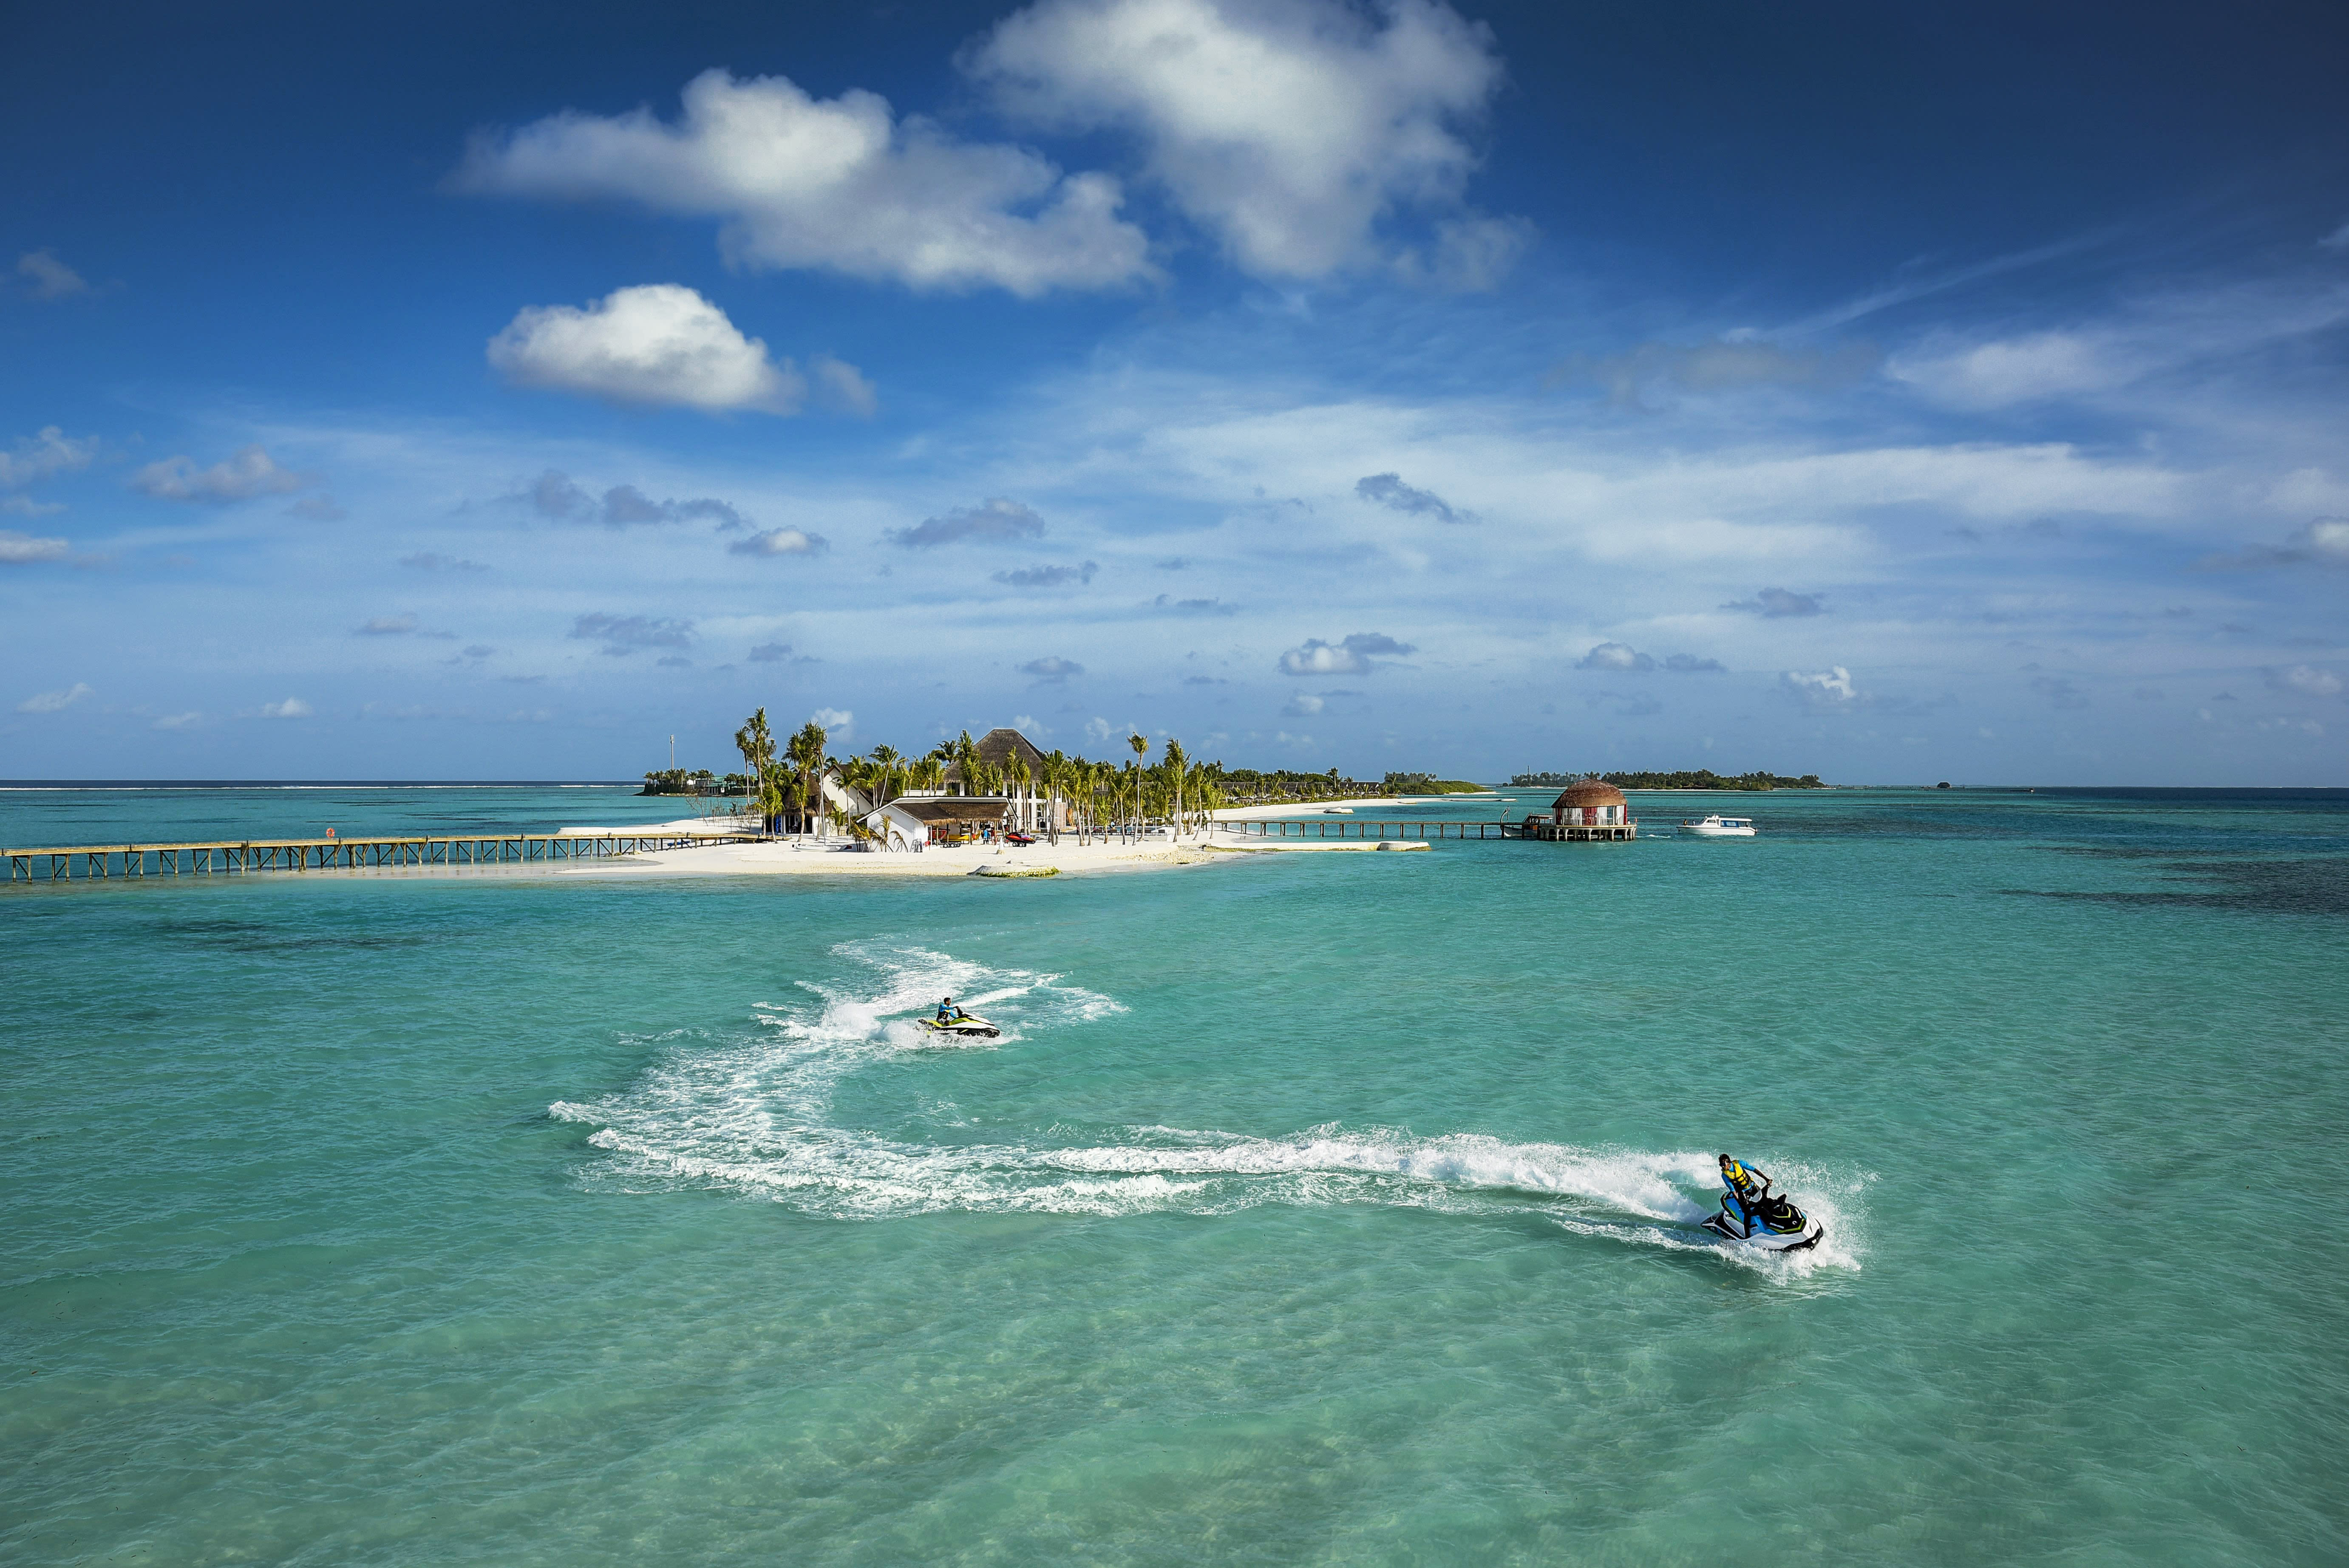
1703 778
1428 784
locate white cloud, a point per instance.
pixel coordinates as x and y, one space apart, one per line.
658 342
838 723
249 472
292 708
49 277
51 451
55 701
2307 680
1615 657
179 721
1051 671
1350 657
2336 240
781 541
1289 127
1830 687
1304 705
2324 541
832 184
23 549
841 386
1776 604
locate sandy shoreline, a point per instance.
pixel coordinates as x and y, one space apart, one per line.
826 858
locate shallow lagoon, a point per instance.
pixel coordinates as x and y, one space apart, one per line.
1313 1207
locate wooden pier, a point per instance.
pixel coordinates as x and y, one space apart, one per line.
1544 830
86 862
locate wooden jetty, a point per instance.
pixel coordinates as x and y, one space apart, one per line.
86 862
1531 828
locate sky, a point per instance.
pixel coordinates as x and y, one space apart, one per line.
1896 394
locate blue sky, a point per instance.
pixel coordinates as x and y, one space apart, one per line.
1889 393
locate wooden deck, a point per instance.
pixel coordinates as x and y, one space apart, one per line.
86 862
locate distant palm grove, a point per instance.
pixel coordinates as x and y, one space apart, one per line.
1703 778
785 784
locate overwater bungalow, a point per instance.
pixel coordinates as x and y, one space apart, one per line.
1589 810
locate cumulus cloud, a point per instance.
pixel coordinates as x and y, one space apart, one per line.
994 520
428 561
1615 657
1304 705
292 708
1166 603
1350 657
55 701
249 472
1654 370
781 541
1828 688
25 550
389 626
657 343
47 277
1776 602
38 457
837 723
1051 671
1047 576
2325 541
2305 680
1289 128
836 184
1389 490
624 635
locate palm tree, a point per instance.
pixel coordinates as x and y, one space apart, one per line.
885 762
1174 764
806 752
1140 749
1018 775
757 744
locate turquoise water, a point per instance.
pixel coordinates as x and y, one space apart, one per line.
1312 1208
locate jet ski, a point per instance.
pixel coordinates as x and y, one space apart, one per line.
1754 1216
962 1025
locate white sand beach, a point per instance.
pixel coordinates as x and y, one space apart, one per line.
831 857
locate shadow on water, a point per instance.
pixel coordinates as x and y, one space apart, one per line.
2255 887
255 937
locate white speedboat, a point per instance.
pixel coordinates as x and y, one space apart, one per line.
1719 827
1336 810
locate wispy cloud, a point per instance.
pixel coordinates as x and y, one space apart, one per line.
38 457
997 520
1389 490
389 626
621 635
2324 541
55 701
1828 688
27 550
1052 670
430 561
1777 603
247 473
1655 370
1047 576
49 278
292 708
1166 603
1621 659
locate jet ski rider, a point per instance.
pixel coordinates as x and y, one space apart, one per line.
947 1015
1750 1198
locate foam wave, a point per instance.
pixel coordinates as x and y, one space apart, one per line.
753 1115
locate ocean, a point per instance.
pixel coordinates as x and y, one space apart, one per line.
1311 1209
